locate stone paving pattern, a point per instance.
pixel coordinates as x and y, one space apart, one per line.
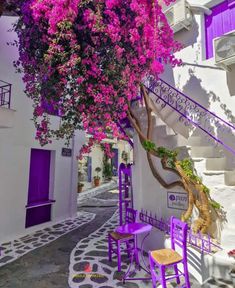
90 268
48 266
12 250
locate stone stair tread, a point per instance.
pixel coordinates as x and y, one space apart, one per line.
198 159
214 172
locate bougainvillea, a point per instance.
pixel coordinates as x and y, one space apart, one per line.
84 61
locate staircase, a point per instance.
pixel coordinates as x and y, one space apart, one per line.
182 124
204 134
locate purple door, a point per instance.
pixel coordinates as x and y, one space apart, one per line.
221 21
38 206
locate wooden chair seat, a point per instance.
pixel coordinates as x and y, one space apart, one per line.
118 236
166 256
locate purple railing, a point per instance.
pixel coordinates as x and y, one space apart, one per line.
191 112
5 94
201 241
122 129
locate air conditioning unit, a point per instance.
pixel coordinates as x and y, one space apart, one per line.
179 15
224 50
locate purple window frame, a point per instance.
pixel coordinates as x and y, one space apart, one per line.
220 22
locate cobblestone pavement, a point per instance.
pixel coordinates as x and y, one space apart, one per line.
90 268
47 266
15 249
71 260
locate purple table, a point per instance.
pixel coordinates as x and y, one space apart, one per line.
135 229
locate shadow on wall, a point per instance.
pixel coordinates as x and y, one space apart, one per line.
230 80
194 89
188 37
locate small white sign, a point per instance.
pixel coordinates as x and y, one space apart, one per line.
177 200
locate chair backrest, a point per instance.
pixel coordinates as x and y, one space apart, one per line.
179 232
131 215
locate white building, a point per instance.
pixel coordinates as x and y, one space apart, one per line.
213 87
38 185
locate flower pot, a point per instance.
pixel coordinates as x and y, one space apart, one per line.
96 182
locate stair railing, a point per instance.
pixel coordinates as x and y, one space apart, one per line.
190 111
5 94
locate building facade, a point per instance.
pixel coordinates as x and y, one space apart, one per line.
38 184
212 147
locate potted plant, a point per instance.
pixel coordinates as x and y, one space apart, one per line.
232 272
79 187
97 177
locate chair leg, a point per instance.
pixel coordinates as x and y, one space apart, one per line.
136 251
154 279
128 249
186 275
119 256
163 276
177 274
110 248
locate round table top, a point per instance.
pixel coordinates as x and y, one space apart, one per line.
134 228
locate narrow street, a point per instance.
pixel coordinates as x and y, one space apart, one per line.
47 266
78 259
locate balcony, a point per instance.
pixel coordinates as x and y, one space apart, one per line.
6 113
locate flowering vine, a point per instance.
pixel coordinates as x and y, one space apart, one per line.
86 59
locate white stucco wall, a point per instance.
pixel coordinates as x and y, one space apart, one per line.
214 88
15 148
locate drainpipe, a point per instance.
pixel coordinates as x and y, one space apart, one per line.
200 8
73 173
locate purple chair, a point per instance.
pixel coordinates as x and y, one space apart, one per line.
115 239
166 258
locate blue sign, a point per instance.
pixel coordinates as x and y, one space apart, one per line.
177 200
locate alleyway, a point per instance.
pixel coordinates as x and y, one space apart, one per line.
47 266
64 262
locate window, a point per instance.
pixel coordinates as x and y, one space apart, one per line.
221 21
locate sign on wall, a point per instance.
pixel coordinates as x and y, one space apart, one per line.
67 152
177 200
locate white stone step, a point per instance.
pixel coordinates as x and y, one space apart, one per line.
182 129
159 121
209 178
173 121
172 141
166 112
229 178
216 163
194 141
204 151
160 131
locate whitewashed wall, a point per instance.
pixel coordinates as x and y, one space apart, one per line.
213 87
15 147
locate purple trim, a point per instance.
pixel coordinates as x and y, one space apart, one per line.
131 216
38 208
39 204
197 240
198 104
221 21
124 174
38 215
178 238
5 94
124 132
185 103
